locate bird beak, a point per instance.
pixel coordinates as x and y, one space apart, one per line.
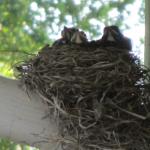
105 32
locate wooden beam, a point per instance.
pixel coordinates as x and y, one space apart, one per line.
22 119
147 34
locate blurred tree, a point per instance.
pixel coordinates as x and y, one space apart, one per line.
25 26
5 144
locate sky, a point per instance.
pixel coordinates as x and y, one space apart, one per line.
137 29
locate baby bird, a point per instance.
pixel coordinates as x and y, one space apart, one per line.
79 37
66 35
113 37
71 35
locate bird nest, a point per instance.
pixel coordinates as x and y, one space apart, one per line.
100 96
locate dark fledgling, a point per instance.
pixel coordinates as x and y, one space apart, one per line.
71 35
112 36
66 35
79 37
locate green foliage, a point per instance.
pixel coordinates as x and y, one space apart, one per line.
25 26
141 12
7 145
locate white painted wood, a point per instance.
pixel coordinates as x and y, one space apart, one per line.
147 34
22 119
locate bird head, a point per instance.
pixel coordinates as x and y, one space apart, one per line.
79 37
67 33
112 33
